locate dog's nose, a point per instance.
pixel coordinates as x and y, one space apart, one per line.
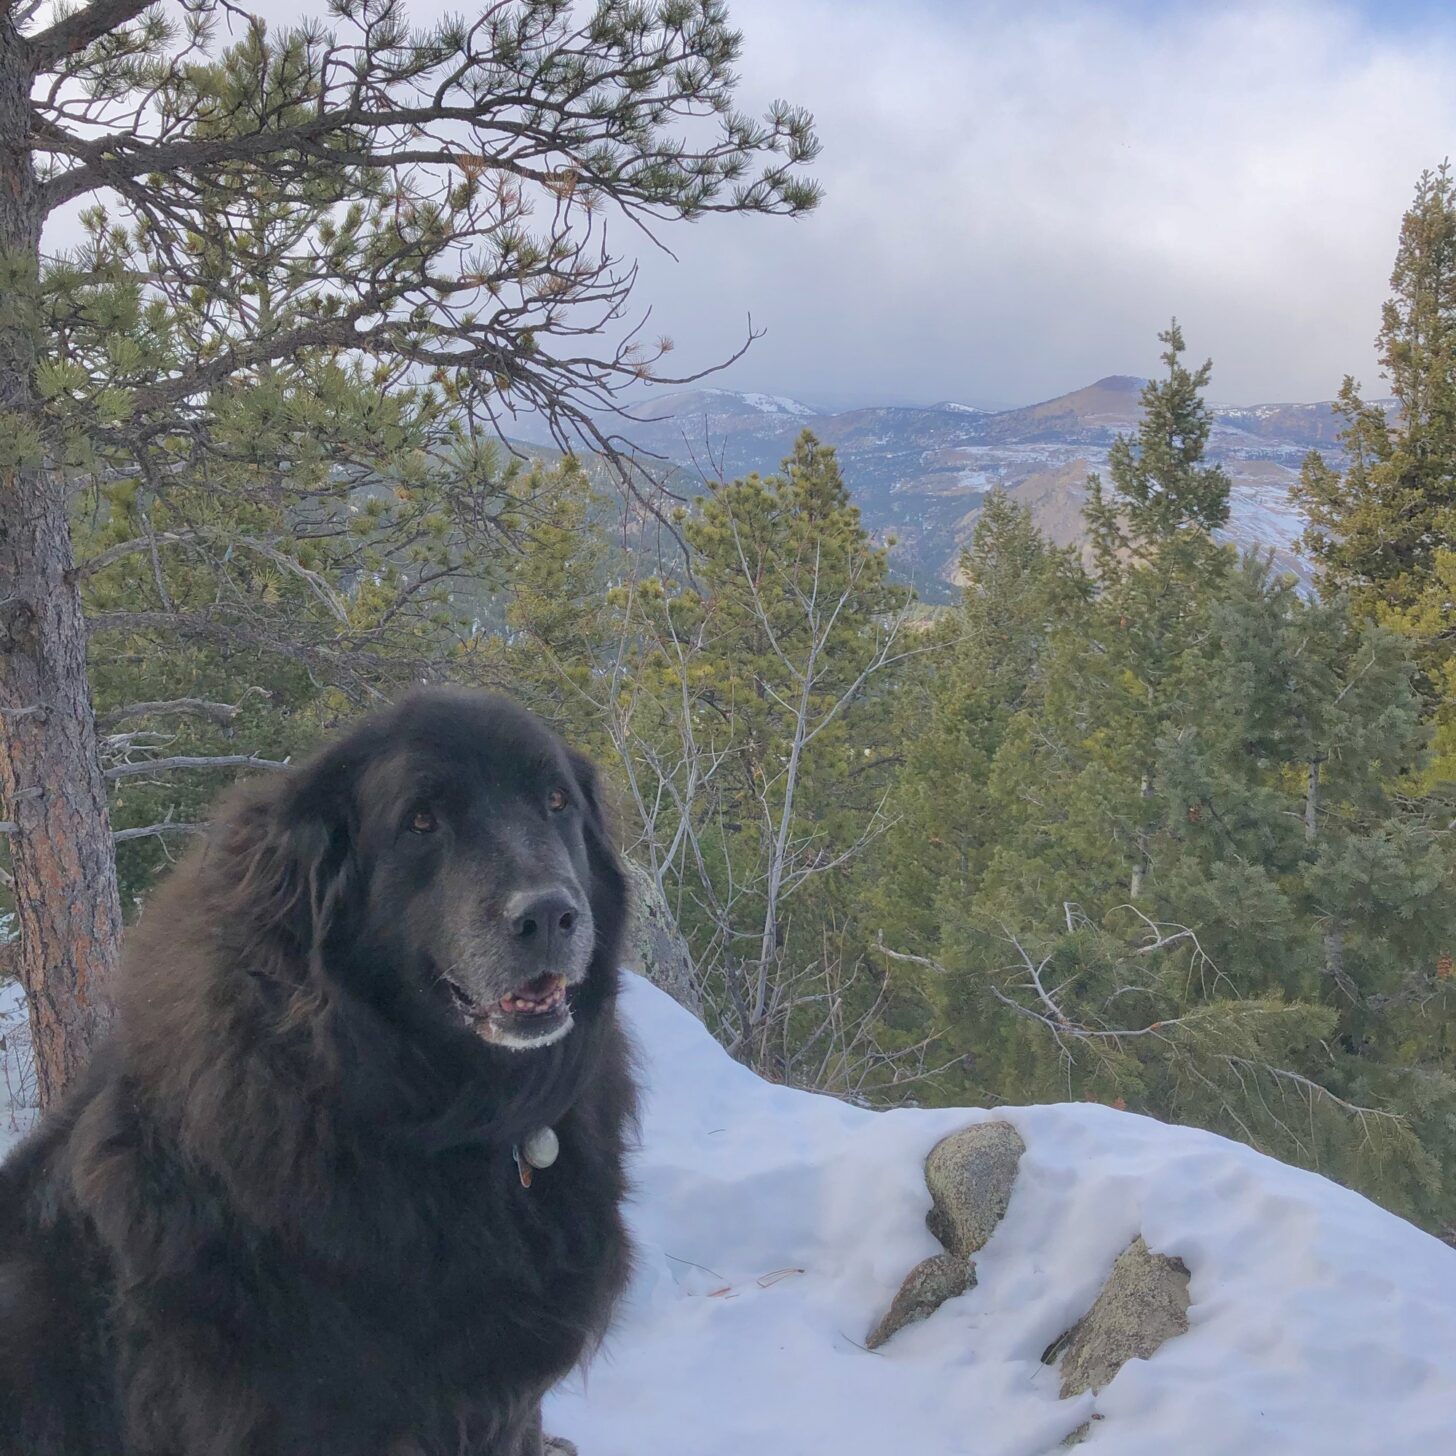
542 918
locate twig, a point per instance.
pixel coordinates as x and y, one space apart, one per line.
167 765
221 714
167 826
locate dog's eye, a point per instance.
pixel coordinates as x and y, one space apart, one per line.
422 822
557 800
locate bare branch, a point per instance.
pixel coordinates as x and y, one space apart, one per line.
913 960
1314 1089
168 826
222 714
167 765
123 549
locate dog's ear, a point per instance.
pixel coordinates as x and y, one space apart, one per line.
290 846
609 880
589 784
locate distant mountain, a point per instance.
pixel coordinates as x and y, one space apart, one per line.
920 474
961 409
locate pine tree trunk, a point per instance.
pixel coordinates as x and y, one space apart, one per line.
1335 960
51 785
1140 869
1335 935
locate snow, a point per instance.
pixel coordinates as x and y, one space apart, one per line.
774 1227
777 404
17 1074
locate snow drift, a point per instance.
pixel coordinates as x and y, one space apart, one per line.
775 1226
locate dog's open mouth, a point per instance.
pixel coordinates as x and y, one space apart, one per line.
533 1014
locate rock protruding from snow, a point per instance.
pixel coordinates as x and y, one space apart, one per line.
653 945
773 1228
970 1175
1143 1304
927 1286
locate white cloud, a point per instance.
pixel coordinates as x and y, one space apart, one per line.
1020 196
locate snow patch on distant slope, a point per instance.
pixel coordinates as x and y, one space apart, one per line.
722 404
777 404
774 1227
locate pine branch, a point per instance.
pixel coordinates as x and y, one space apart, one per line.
134 547
1314 1090
344 662
74 32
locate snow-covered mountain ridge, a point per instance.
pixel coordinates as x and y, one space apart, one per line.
920 474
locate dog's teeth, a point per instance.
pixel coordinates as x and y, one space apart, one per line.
536 1002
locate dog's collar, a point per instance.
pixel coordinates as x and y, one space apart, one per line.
539 1150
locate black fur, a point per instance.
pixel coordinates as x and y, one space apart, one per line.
281 1216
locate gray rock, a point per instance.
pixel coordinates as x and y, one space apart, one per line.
654 946
1080 1434
970 1175
1143 1303
927 1286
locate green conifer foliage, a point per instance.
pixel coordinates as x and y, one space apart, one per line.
982 667
398 205
1383 529
754 726
1178 862
1155 558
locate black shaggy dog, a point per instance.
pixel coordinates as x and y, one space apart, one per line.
291 1212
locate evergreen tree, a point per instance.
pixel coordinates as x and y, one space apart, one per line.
1176 870
1383 529
1152 540
419 158
243 591
1280 978
1166 500
982 667
552 641
753 720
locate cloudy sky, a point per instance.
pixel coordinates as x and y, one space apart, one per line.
1019 195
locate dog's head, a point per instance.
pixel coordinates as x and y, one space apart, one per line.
450 855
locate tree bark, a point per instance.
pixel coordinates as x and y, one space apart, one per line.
51 787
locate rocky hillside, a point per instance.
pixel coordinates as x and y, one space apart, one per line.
920 474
